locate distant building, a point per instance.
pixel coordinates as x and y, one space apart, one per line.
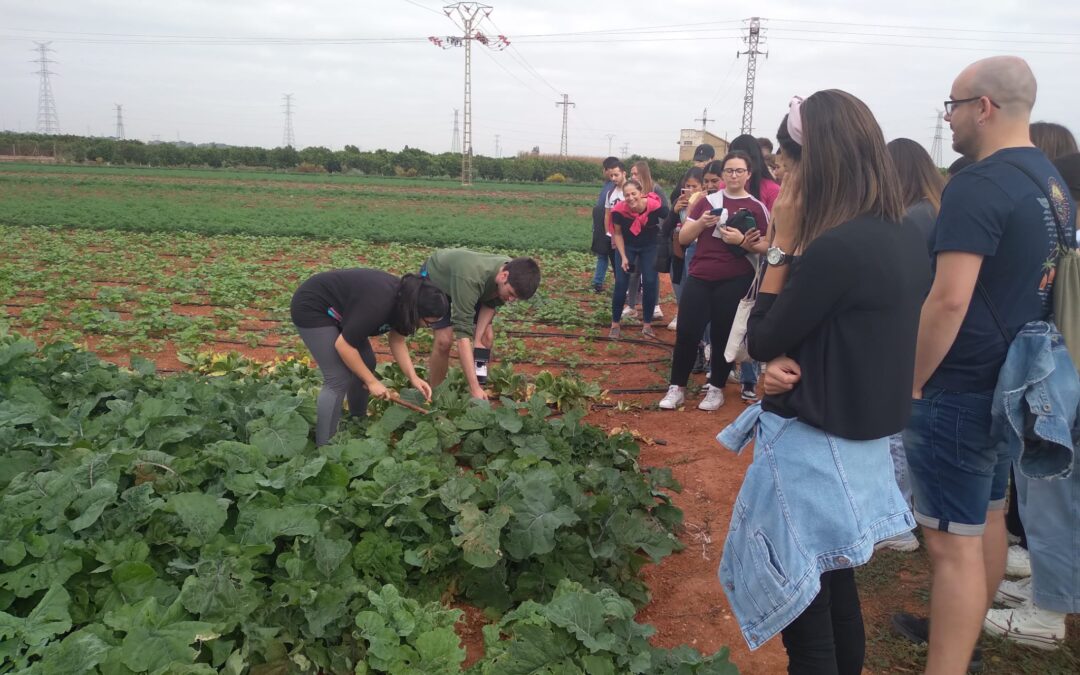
689 139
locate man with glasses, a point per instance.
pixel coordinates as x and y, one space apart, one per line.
995 236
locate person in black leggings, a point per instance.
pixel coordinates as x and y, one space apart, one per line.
337 312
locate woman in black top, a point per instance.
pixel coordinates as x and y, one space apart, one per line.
836 320
635 232
336 312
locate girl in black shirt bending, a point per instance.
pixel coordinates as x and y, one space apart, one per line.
336 312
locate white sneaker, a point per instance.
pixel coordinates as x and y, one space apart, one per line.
674 325
657 313
674 398
902 542
1028 625
714 398
1014 593
1018 563
628 311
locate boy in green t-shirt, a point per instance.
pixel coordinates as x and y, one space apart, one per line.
477 284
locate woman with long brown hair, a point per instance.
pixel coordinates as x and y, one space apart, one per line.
920 184
836 320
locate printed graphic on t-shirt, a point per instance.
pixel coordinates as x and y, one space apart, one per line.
1059 202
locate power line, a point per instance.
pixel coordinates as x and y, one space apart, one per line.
565 103
455 142
753 39
430 9
47 120
470 13
704 119
288 140
935 150
119 122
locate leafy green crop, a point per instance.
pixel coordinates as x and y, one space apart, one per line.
187 524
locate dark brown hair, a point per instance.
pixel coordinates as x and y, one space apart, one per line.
524 277
1053 139
919 178
845 170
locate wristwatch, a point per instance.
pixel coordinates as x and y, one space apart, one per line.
776 257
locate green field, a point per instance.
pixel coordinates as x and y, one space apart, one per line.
432 213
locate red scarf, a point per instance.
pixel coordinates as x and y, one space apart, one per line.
652 203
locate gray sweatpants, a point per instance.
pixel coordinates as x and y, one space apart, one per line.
338 381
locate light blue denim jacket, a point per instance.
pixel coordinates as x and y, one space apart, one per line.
809 503
1037 401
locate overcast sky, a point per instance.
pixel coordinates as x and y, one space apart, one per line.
215 70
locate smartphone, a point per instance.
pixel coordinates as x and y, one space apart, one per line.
719 210
632 269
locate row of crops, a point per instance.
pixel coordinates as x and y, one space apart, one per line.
187 524
418 212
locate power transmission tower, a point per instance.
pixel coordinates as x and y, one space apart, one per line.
455 142
625 149
498 149
935 149
752 40
469 13
119 122
565 103
288 139
704 118
609 137
47 120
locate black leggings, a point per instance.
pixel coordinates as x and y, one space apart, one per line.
701 302
828 638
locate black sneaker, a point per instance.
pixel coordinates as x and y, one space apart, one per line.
699 362
598 288
917 629
748 393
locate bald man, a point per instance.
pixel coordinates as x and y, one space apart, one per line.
995 236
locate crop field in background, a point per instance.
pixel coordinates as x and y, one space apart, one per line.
423 212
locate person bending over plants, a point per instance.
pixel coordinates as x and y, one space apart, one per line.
477 285
336 313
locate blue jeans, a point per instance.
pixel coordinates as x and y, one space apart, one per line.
645 259
601 268
1050 510
959 471
748 372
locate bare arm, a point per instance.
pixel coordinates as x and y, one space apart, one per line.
400 350
468 366
943 312
355 362
484 319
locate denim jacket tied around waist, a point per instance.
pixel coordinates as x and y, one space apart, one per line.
810 502
1037 401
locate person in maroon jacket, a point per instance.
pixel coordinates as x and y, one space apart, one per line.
728 226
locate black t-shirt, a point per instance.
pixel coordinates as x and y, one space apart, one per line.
994 210
849 315
362 299
649 231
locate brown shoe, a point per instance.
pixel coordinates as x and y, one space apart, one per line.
647 331
615 333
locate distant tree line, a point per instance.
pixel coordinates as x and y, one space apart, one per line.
408 162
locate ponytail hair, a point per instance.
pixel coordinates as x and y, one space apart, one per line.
417 298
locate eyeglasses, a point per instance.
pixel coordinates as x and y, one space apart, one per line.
734 172
951 104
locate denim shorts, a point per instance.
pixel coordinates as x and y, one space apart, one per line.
958 471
